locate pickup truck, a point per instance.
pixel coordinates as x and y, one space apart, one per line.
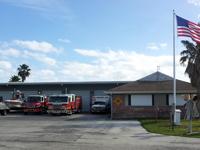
99 107
100 104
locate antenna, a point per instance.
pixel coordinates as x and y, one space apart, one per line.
158 68
157 74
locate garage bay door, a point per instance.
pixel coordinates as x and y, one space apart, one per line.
85 99
6 94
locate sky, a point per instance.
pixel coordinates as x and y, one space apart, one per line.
91 40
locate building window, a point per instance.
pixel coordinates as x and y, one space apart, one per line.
128 100
160 100
141 100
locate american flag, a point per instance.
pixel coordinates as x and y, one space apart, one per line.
188 29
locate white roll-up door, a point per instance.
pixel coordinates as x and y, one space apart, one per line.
27 93
51 92
6 94
85 98
99 93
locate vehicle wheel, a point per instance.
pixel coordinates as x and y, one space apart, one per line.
70 112
44 111
25 113
52 114
4 112
40 113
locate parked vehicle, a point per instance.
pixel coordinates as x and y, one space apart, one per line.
35 104
3 108
59 104
64 104
15 103
100 104
78 104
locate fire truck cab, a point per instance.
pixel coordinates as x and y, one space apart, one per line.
36 104
64 104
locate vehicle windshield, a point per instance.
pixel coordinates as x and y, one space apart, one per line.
58 99
99 103
34 99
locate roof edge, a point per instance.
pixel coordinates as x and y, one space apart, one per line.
151 92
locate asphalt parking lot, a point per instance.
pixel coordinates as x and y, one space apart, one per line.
83 132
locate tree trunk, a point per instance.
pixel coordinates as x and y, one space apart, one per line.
198 99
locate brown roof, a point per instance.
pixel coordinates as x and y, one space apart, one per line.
182 87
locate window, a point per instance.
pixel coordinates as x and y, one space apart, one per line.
127 100
160 100
141 100
73 98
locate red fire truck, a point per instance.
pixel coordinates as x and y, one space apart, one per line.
64 104
36 104
78 104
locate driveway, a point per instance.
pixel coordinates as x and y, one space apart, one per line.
84 132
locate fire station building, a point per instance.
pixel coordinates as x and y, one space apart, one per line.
130 99
148 97
84 89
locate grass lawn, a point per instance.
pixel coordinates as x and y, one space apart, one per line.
162 126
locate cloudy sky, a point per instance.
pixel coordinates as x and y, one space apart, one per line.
91 40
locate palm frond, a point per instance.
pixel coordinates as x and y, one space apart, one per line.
183 59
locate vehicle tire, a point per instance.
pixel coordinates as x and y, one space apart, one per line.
70 112
4 112
45 111
52 114
25 113
40 113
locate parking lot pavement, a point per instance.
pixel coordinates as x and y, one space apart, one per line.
83 132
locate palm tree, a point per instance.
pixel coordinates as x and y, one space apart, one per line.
191 57
23 71
14 78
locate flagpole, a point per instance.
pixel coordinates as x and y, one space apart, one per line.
174 69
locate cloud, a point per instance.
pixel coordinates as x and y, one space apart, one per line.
105 55
5 65
156 46
163 45
107 65
81 71
5 70
118 65
194 2
40 57
10 52
47 75
46 8
85 52
152 46
64 40
37 46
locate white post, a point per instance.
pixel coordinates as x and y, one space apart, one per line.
174 67
111 109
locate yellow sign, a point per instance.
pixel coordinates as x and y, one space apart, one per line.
117 101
